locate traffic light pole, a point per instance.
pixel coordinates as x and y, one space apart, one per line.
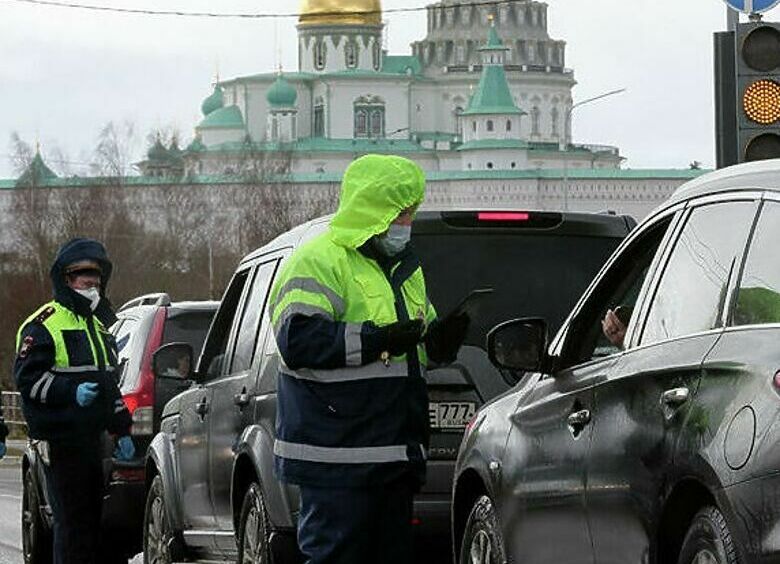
732 19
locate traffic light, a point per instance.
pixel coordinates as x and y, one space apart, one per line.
758 91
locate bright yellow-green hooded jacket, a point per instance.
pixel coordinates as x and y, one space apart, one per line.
345 415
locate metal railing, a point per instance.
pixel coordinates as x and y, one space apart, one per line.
11 403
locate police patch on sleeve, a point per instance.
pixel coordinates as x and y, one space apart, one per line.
26 346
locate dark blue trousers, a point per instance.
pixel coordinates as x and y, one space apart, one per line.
357 525
75 485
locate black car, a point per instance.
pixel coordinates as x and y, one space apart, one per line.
211 466
144 324
658 449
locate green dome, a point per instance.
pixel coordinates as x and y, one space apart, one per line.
157 152
213 102
228 117
281 93
196 146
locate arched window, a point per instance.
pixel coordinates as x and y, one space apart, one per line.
377 53
275 129
351 54
490 125
535 121
320 54
361 122
319 117
474 126
509 125
555 115
490 166
458 120
369 117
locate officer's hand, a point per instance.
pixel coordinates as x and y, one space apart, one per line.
403 336
2 450
86 393
125 449
446 337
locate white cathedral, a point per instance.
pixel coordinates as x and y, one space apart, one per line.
487 89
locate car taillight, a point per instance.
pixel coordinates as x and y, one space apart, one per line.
503 216
140 402
128 475
503 219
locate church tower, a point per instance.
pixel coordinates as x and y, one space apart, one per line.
282 112
340 35
491 122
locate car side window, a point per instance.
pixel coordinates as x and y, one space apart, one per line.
212 359
758 296
250 322
618 290
692 290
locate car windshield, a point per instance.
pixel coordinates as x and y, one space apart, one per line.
532 275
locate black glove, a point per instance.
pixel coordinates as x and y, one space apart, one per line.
445 337
403 336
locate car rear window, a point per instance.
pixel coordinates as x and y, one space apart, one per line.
533 275
188 327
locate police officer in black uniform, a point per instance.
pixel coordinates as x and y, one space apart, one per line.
65 372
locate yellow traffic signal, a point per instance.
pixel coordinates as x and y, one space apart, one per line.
761 101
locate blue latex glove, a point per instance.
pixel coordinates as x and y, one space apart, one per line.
2 450
125 449
86 393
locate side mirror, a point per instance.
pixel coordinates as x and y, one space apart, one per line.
173 361
520 344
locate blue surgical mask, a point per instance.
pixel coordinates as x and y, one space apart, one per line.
394 240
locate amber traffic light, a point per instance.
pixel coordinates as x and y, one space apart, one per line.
758 90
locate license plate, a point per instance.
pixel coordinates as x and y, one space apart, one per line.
451 414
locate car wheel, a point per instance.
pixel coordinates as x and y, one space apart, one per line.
482 539
157 527
708 540
253 529
36 538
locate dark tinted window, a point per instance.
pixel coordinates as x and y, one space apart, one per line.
187 327
247 332
532 275
691 293
758 300
212 359
618 290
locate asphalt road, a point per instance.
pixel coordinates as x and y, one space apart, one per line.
10 518
10 514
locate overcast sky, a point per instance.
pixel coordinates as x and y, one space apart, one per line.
66 72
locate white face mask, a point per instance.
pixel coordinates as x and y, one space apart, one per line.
395 240
92 294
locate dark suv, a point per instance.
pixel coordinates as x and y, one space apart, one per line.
211 466
661 448
144 324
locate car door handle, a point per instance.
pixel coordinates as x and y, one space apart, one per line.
675 397
242 399
202 408
579 418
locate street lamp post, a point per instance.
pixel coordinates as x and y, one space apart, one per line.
567 133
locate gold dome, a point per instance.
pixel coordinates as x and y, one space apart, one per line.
341 12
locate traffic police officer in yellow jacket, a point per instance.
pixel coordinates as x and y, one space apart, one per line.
355 330
65 371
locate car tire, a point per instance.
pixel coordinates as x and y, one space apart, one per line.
36 538
158 533
708 540
483 542
253 529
